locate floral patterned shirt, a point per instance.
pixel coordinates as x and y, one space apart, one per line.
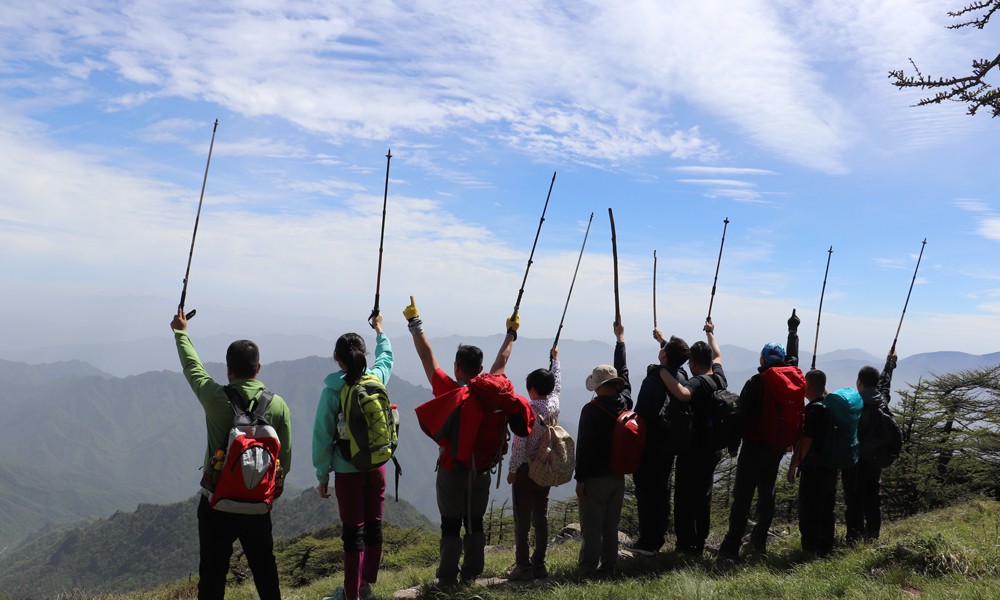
546 409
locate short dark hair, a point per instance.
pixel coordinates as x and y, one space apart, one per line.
542 381
350 349
868 376
469 359
243 359
678 351
701 353
816 379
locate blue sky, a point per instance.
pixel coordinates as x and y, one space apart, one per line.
777 115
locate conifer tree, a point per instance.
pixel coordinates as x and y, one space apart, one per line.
972 89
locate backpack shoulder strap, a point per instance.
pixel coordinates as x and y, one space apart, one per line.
263 403
235 399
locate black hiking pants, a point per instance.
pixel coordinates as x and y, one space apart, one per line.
693 482
863 500
652 499
817 496
217 531
756 471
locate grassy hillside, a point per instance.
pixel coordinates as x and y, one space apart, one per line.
151 546
949 553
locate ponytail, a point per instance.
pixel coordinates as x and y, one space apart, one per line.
350 350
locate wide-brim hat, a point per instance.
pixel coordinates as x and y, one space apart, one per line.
603 374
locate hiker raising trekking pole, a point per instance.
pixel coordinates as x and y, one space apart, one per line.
829 254
573 282
378 279
725 224
907 303
354 436
197 218
879 442
520 293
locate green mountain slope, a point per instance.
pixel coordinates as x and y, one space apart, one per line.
151 546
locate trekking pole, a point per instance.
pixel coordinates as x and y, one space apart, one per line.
725 224
197 218
572 283
614 255
654 289
829 254
912 281
378 280
520 293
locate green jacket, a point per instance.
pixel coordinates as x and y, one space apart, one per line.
219 413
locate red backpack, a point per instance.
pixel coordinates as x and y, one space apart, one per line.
248 478
782 408
628 436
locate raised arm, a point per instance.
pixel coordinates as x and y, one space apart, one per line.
885 379
792 344
383 353
714 345
500 364
420 343
681 392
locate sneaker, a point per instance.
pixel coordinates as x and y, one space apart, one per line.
637 548
520 573
338 594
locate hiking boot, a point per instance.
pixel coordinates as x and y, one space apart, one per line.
640 549
365 592
748 550
521 573
540 572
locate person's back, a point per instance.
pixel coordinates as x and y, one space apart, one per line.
695 476
764 418
217 530
463 491
599 489
360 491
863 482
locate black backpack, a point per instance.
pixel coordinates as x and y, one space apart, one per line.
722 407
883 437
676 421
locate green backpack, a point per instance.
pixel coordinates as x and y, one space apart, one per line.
369 429
840 444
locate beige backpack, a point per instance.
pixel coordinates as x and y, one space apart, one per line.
555 460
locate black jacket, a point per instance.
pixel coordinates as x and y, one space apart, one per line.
593 439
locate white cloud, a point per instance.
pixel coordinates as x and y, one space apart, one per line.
592 81
717 171
972 205
719 182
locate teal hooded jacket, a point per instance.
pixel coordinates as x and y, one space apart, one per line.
326 458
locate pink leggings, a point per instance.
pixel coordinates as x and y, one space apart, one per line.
360 498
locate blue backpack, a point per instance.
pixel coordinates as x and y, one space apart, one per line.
840 447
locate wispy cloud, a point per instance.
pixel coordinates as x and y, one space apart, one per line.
721 171
719 182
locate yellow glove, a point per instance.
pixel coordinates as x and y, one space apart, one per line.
513 322
411 312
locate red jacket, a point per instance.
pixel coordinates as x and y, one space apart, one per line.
470 422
